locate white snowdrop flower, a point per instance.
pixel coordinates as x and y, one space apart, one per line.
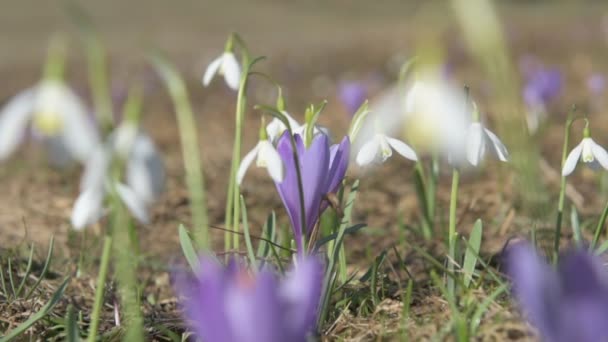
587 151
276 127
480 139
88 208
266 156
227 66
380 148
56 114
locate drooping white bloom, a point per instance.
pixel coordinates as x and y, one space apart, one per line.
267 157
225 65
56 114
480 139
144 174
380 148
276 127
588 151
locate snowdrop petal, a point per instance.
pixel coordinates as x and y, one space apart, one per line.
273 160
136 206
402 148
475 144
212 69
88 208
498 148
145 169
14 119
79 133
96 169
368 152
600 154
231 70
572 160
246 162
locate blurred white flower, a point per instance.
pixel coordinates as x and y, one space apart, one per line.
144 174
480 139
225 65
56 114
267 157
380 148
588 151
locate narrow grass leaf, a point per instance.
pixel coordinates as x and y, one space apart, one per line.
576 227
483 307
45 268
248 245
188 248
472 252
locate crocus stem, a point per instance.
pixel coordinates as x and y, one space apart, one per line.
101 281
599 228
452 231
562 189
241 104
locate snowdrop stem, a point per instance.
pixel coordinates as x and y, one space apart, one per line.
452 230
241 105
195 181
100 288
562 190
55 62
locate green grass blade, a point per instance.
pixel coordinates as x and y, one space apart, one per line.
46 309
188 248
576 227
71 326
483 307
45 268
28 269
472 252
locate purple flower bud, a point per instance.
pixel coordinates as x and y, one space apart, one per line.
352 95
228 304
322 168
596 83
542 86
567 304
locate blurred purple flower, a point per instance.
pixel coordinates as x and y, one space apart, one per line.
596 83
542 85
567 304
322 168
230 305
352 95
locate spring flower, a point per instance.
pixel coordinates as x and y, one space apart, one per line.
276 127
55 114
380 148
322 168
480 139
567 304
588 151
596 84
144 175
266 156
541 86
352 95
231 305
225 65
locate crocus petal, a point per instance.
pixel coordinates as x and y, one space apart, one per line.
572 159
367 153
273 161
136 205
314 164
498 148
87 208
145 172
338 161
231 70
536 287
212 69
246 162
402 148
600 154
301 290
14 119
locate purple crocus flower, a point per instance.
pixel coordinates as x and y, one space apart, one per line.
228 304
596 83
352 95
542 86
567 304
322 168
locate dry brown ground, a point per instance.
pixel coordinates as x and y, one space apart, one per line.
311 47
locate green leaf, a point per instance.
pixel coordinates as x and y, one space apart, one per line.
483 307
46 309
269 234
334 236
576 227
71 326
472 252
252 260
188 248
